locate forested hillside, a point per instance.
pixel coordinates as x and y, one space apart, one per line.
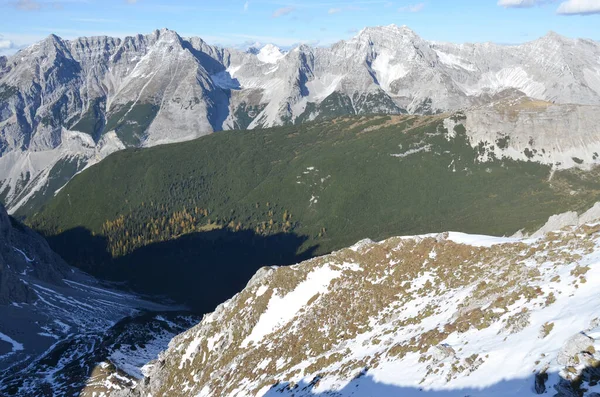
278 195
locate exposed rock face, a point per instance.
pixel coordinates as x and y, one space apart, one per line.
573 347
566 219
67 104
564 136
18 245
57 324
452 313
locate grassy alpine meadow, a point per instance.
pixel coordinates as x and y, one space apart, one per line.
328 184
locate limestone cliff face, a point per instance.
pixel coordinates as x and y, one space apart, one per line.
561 135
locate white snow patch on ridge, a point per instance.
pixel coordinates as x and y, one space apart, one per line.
282 309
261 290
29 260
475 240
454 61
270 54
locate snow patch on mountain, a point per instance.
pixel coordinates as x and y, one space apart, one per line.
388 69
513 77
16 346
270 54
282 309
454 61
592 78
320 88
475 240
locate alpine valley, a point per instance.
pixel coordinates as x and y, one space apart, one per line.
182 219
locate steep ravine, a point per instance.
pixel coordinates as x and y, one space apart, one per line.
62 332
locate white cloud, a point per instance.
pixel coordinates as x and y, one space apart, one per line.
283 11
28 5
566 7
334 10
579 7
246 6
520 3
35 5
412 8
5 44
131 1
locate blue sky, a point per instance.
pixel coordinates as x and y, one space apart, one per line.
235 22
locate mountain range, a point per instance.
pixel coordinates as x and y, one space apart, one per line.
66 104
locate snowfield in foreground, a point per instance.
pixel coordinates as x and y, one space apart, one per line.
446 314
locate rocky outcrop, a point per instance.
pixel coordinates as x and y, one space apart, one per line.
401 317
564 136
23 251
573 347
564 220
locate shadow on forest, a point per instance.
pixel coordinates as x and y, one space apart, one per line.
200 269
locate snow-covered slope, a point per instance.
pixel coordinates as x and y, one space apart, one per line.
161 88
447 314
57 323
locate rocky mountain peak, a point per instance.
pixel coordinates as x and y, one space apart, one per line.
552 35
52 38
270 54
253 50
379 34
552 40
166 34
54 43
